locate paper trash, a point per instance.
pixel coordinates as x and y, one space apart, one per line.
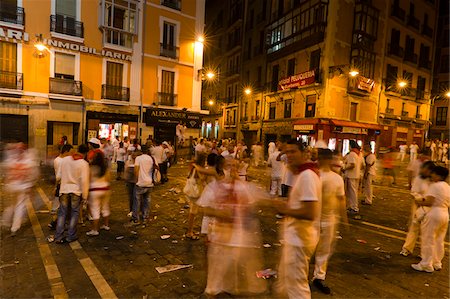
170 268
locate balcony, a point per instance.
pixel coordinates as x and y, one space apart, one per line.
14 15
398 12
174 4
389 111
419 116
11 80
410 57
66 87
413 22
116 93
396 50
405 113
420 94
169 51
167 99
426 64
427 31
66 25
409 92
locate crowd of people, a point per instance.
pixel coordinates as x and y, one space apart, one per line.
311 188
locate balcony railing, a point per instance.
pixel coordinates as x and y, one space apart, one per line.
405 113
418 116
174 4
409 92
398 12
426 64
169 51
11 80
427 30
413 22
66 25
167 99
396 50
410 57
15 15
66 87
117 93
389 110
420 94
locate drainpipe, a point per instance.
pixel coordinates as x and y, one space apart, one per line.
433 57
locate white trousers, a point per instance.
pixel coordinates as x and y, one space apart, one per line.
351 190
412 156
368 189
402 156
13 214
433 229
293 273
324 248
413 230
275 186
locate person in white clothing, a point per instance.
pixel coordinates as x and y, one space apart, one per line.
352 173
435 223
121 154
333 205
258 153
143 169
271 148
440 150
301 224
403 148
413 150
276 173
419 188
369 174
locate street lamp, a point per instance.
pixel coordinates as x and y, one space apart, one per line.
448 94
402 83
201 39
353 73
210 75
247 91
211 102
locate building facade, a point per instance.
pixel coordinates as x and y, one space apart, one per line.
98 68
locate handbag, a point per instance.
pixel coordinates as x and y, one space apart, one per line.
191 188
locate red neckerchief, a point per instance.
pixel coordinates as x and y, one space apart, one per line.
356 151
77 156
308 165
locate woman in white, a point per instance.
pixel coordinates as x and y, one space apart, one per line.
435 223
99 193
276 173
234 250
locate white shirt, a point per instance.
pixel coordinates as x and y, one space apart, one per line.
441 193
226 154
74 176
199 148
145 163
413 148
403 148
414 167
298 232
353 158
57 166
158 153
371 159
121 153
277 166
332 188
419 186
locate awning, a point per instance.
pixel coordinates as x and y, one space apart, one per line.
346 123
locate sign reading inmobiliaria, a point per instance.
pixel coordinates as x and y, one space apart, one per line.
298 80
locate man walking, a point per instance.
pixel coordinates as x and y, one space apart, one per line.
143 170
369 174
74 177
413 150
301 226
352 173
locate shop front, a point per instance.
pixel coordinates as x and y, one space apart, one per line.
397 132
110 125
165 121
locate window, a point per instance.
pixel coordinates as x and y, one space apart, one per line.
174 4
408 77
287 108
9 78
10 12
249 48
444 64
291 67
245 110
421 87
391 75
272 110
114 73
310 110
66 8
366 19
395 37
65 20
314 60
119 22
65 66
167 94
257 109
275 71
353 111
423 56
168 45
364 62
441 116
259 72
409 48
418 112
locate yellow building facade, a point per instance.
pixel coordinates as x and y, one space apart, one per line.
98 68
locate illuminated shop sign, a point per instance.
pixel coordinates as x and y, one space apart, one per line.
299 80
155 116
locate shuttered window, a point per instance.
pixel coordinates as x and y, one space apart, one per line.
64 66
114 73
8 57
168 82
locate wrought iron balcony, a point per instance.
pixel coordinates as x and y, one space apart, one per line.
398 12
410 57
11 80
389 111
396 50
167 99
418 116
409 92
14 14
426 64
405 113
174 4
413 22
117 93
169 51
420 94
66 86
427 31
66 25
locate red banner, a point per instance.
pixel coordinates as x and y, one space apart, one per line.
298 80
365 84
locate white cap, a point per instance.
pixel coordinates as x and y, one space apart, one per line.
95 141
165 143
321 144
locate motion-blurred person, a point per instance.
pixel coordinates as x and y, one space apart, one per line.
99 194
403 148
74 177
258 154
21 173
276 173
120 159
234 250
435 223
158 153
388 164
143 170
271 148
352 173
130 180
370 172
419 188
333 205
243 161
301 226
414 167
65 151
413 150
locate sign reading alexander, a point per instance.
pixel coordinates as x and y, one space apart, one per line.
298 80
17 36
155 116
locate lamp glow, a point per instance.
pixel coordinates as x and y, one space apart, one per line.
210 75
211 102
402 84
200 39
448 94
40 47
247 91
353 73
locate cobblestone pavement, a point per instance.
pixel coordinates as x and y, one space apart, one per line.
108 265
